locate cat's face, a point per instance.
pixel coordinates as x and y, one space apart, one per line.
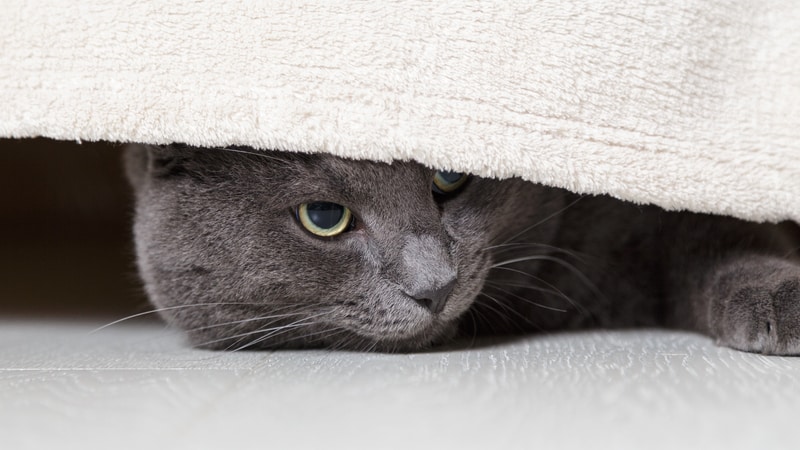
229 246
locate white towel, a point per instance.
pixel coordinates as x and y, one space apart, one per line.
688 104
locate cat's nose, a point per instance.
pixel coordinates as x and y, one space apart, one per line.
427 273
434 297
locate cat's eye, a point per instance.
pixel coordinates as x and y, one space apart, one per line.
448 182
325 219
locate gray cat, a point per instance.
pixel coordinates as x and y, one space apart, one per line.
246 249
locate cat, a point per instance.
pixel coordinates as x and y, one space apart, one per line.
247 249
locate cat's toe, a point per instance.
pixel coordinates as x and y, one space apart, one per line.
786 302
761 319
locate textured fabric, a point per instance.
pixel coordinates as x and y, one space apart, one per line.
688 104
134 385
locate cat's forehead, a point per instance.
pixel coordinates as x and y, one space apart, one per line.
360 175
369 188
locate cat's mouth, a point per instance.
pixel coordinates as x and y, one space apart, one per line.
397 321
400 319
409 323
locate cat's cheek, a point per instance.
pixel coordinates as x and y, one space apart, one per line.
461 298
383 313
474 267
359 243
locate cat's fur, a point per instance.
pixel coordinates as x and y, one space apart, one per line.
222 254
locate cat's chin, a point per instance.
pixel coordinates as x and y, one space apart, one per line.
432 336
412 339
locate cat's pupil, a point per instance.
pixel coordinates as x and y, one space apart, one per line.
325 219
325 215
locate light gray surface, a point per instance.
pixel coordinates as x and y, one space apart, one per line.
137 385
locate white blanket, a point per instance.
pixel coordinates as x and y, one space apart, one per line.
688 104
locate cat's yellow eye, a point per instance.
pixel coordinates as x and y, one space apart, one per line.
325 219
448 182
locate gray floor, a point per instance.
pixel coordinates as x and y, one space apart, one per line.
136 385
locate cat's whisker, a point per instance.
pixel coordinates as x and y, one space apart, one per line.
523 245
168 308
250 319
525 258
506 317
480 316
574 303
575 271
365 346
529 301
517 313
264 333
272 332
323 334
306 319
551 216
791 252
372 346
344 343
553 290
330 330
254 153
471 313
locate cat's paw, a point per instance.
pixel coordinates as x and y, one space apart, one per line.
760 312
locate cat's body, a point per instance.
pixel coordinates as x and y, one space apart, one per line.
224 254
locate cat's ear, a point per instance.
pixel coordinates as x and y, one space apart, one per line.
135 159
143 160
168 161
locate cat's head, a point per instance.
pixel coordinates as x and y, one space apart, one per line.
248 249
